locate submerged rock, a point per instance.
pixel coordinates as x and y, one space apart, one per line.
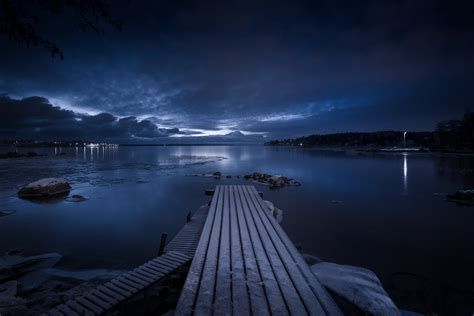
358 286
274 181
46 187
77 198
462 197
7 212
12 267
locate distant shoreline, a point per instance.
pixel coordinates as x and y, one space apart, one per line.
376 150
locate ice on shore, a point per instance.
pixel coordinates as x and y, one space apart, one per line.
359 286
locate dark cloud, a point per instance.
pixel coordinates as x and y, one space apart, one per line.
281 68
36 118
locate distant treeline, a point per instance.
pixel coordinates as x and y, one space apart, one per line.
450 136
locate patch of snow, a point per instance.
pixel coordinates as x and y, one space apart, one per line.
357 285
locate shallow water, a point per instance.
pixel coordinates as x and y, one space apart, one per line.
372 210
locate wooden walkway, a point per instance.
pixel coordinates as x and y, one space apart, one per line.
188 237
107 297
245 264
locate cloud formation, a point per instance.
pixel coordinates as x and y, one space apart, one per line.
277 68
36 118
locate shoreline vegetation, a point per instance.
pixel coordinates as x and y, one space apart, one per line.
453 136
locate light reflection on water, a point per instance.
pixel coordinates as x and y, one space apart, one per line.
405 174
138 192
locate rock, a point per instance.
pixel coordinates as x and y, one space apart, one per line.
274 181
336 202
77 198
270 205
12 267
310 259
216 174
462 197
7 212
14 251
359 286
10 304
9 288
275 211
46 187
228 177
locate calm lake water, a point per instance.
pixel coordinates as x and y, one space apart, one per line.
377 211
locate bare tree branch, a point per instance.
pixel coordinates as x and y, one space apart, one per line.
19 19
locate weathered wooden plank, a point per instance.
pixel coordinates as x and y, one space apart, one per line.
155 274
182 257
132 280
324 298
165 263
187 297
79 308
240 299
205 295
307 297
287 287
89 305
115 294
223 295
124 291
55 312
147 276
104 297
258 300
97 301
126 281
188 237
66 310
272 289
138 278
157 268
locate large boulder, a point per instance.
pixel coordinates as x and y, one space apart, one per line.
12 267
462 197
46 187
359 286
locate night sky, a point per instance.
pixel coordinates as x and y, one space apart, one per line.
196 71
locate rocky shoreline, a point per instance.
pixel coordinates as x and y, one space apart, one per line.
273 181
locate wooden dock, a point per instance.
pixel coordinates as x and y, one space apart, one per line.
245 264
105 298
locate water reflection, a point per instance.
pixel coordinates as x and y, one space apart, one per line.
405 174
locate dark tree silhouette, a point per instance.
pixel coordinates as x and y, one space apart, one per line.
449 136
19 19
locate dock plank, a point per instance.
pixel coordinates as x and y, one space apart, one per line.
272 288
323 296
191 285
245 264
206 289
240 299
223 301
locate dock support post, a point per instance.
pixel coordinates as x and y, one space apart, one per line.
162 243
188 217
